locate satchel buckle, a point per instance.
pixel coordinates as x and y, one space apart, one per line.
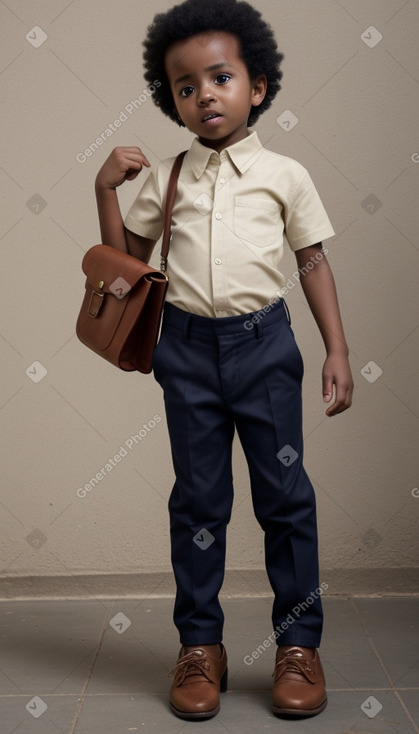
96 301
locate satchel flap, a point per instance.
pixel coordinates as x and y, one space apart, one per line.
113 271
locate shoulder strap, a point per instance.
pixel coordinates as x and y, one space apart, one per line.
171 194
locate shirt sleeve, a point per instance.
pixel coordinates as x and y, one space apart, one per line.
145 216
306 221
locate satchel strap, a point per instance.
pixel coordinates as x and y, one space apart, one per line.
170 199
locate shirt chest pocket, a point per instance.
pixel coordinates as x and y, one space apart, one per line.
257 220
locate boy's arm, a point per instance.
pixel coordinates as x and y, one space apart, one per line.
123 164
319 288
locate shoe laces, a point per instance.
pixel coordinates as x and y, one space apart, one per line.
294 662
191 664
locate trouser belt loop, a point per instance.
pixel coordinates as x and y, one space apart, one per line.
258 330
187 326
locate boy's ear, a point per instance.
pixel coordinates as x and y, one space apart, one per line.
259 87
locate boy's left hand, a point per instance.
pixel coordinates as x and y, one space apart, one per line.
337 381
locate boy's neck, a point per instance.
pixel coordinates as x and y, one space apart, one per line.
219 145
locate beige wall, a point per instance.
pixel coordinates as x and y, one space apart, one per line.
357 108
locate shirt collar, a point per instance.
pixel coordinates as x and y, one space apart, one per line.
242 154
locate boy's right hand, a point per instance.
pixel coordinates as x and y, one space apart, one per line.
123 164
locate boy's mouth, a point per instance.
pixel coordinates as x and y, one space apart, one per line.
211 116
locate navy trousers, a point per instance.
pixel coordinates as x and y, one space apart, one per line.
218 375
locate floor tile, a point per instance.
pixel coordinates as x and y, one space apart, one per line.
394 629
139 648
45 714
100 667
52 643
410 699
244 712
348 658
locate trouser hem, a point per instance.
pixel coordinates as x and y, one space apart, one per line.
198 640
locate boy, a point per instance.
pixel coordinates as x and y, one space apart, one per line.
227 357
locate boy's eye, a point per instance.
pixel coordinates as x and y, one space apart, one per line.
186 91
222 78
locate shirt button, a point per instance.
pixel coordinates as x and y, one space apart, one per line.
218 261
222 180
218 215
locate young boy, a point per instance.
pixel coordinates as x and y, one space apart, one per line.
227 358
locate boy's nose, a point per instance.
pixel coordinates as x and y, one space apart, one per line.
206 95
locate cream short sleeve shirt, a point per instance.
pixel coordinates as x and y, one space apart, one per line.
232 212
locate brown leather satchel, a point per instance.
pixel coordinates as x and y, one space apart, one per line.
124 298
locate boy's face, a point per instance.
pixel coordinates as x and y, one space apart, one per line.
211 87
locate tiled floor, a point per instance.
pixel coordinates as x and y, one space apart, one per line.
100 667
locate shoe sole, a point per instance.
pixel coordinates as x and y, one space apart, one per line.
198 715
299 712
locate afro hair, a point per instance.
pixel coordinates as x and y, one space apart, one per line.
258 46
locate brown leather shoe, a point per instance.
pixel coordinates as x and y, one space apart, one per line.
198 680
299 685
